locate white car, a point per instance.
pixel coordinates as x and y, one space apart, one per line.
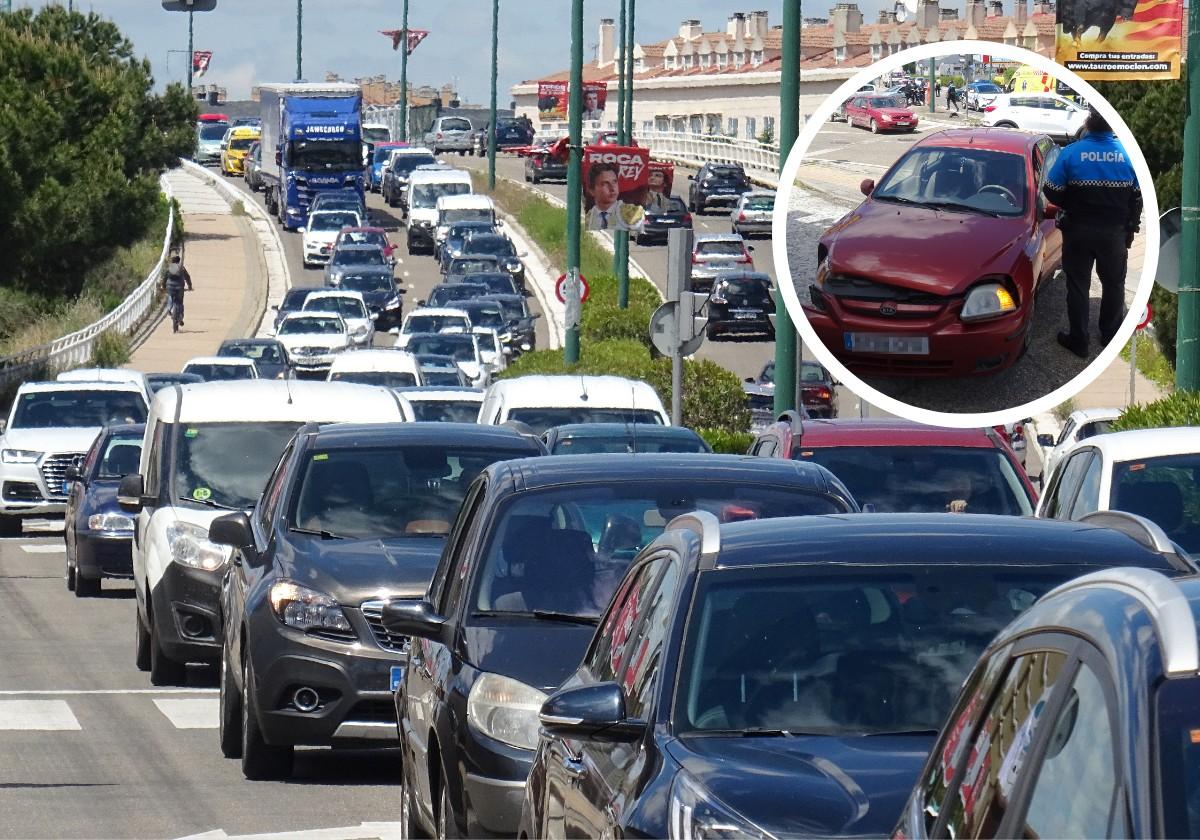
322 231
119 375
443 403
221 368
1080 425
49 425
312 339
353 309
544 401
432 319
491 349
1045 113
1153 473
388 368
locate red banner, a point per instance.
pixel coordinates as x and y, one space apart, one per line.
415 36
615 180
200 62
552 101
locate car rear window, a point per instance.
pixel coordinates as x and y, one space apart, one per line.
445 411
720 248
456 125
726 172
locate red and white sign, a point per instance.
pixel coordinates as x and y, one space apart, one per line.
200 62
562 282
1146 316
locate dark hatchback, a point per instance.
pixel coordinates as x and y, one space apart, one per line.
658 223
97 532
383 297
535 554
269 356
455 234
787 678
594 438
541 165
521 333
716 183
741 302
353 516
501 247
293 301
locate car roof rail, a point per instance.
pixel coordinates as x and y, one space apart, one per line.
1146 532
1164 601
707 527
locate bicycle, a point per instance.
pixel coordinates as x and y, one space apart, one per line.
175 309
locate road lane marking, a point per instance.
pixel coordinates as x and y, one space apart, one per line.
80 691
44 548
45 715
191 713
362 831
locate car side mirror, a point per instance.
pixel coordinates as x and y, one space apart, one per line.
131 493
234 530
275 307
593 712
867 186
1045 440
374 316
749 379
414 618
691 177
1052 211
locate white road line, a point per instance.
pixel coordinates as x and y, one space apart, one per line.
82 691
44 548
362 831
191 713
46 715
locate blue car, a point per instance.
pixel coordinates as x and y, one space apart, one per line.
379 156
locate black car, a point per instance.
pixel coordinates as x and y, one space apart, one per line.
537 550
451 294
452 246
787 678
437 369
358 268
520 335
97 532
158 381
716 183
461 268
352 518
497 282
269 356
1079 720
501 247
659 222
395 177
293 301
251 166
509 133
593 438
339 200
741 302
484 313
542 167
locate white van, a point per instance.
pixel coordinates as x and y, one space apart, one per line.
545 401
387 368
209 449
425 187
462 208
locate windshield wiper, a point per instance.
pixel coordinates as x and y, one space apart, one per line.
325 535
954 205
901 732
541 615
752 732
899 199
208 503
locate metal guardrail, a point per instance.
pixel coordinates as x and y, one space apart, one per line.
420 118
76 349
760 162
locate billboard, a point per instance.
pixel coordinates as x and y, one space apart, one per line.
553 100
1120 40
615 185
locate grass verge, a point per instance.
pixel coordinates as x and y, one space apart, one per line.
1151 363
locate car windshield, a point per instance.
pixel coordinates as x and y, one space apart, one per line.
74 409
425 196
887 102
409 491
121 456
719 248
439 376
368 283
331 220
912 479
861 651
312 326
498 246
381 134
213 132
497 284
359 256
674 206
227 464
627 441
347 307
564 550
339 155
467 214
240 143
471 266
459 347
1166 491
445 411
381 154
158 381
986 87
541 419
363 237
386 378
957 179
760 202
270 354
404 164
513 310
435 323
462 229
212 372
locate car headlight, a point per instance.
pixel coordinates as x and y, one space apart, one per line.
110 522
335 277
306 609
393 303
822 273
696 815
987 300
456 253
506 710
513 266
19 456
189 545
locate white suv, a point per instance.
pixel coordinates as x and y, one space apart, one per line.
49 425
1081 425
1045 113
360 323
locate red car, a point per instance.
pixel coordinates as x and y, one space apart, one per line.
880 113
936 272
900 466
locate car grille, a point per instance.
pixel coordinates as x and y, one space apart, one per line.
54 470
373 612
863 296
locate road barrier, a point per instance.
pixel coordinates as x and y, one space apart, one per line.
76 349
761 162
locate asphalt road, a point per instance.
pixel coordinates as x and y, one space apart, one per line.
90 749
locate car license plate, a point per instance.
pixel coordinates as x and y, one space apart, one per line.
744 314
397 677
66 489
900 345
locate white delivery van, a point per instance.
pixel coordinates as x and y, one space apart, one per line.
209 449
541 402
425 187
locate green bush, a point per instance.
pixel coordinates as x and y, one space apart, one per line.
729 443
604 322
605 288
1180 409
110 350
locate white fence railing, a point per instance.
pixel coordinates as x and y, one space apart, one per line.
76 349
760 162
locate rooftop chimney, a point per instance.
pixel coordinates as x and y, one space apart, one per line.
886 17
995 8
758 24
736 25
690 30
1043 7
1020 12
928 14
846 18
975 12
606 50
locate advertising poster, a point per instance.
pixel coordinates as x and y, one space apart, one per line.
659 181
1120 40
552 101
595 95
615 184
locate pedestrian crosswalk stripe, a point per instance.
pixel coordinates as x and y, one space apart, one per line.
37 714
190 713
44 548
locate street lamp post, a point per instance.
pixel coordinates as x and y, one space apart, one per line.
299 39
629 40
404 75
491 133
575 169
191 58
621 237
789 130
1187 339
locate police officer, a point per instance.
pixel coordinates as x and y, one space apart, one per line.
1094 184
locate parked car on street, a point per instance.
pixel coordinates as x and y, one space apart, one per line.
880 113
1044 113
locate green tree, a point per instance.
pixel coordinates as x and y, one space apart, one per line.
83 138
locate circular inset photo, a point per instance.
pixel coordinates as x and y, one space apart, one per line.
972 263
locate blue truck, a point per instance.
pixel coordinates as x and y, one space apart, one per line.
311 142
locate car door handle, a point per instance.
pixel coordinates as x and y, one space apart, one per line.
573 767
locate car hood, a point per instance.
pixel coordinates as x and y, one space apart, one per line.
291 342
78 439
894 113
538 653
353 571
935 251
831 786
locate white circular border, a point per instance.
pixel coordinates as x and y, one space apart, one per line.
787 181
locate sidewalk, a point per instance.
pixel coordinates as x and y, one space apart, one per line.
223 257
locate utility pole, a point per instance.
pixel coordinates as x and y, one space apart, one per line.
575 176
932 85
404 76
300 39
191 59
491 133
1187 337
789 130
621 237
629 41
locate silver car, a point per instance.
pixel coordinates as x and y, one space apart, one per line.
450 134
715 254
752 213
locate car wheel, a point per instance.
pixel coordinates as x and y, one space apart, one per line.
410 826
446 826
230 721
874 127
10 526
710 333
163 671
86 587
1006 124
141 642
260 760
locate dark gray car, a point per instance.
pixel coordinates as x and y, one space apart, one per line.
269 356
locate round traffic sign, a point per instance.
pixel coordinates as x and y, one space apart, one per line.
562 281
1146 316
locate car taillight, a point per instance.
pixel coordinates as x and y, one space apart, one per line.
824 393
439 135
989 108
687 218
695 259
742 216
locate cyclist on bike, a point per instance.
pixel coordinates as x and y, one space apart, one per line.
175 281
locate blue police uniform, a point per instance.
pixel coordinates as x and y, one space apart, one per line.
1094 184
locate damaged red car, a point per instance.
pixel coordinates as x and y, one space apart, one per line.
936 273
